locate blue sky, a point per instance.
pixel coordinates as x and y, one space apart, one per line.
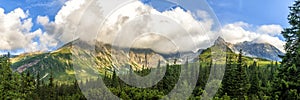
255 13
35 7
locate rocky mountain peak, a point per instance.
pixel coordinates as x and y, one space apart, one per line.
220 41
260 50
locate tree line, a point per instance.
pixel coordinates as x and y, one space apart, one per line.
241 81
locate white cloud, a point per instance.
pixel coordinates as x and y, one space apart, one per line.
83 20
241 31
70 7
68 24
43 20
236 32
27 24
11 31
15 32
178 26
272 30
45 43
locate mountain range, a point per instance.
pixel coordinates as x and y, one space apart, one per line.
255 50
60 62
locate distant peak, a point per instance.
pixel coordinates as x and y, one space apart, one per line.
220 40
248 42
254 42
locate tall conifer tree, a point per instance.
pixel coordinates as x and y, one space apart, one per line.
289 74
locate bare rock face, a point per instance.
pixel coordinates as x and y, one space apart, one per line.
252 49
259 50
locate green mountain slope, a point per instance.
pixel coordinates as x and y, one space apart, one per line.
220 46
59 63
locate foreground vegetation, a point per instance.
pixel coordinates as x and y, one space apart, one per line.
241 81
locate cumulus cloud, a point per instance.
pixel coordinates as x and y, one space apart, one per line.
66 10
178 25
68 24
11 31
272 30
43 20
241 31
90 19
236 32
44 43
15 32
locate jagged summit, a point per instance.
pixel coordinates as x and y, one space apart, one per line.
260 50
253 49
220 41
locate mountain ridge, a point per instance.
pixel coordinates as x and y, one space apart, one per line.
61 61
253 49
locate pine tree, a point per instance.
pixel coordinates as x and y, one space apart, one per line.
51 83
229 81
289 74
242 77
9 81
51 86
235 78
38 83
115 81
255 87
28 85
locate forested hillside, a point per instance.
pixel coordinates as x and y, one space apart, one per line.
217 75
241 80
